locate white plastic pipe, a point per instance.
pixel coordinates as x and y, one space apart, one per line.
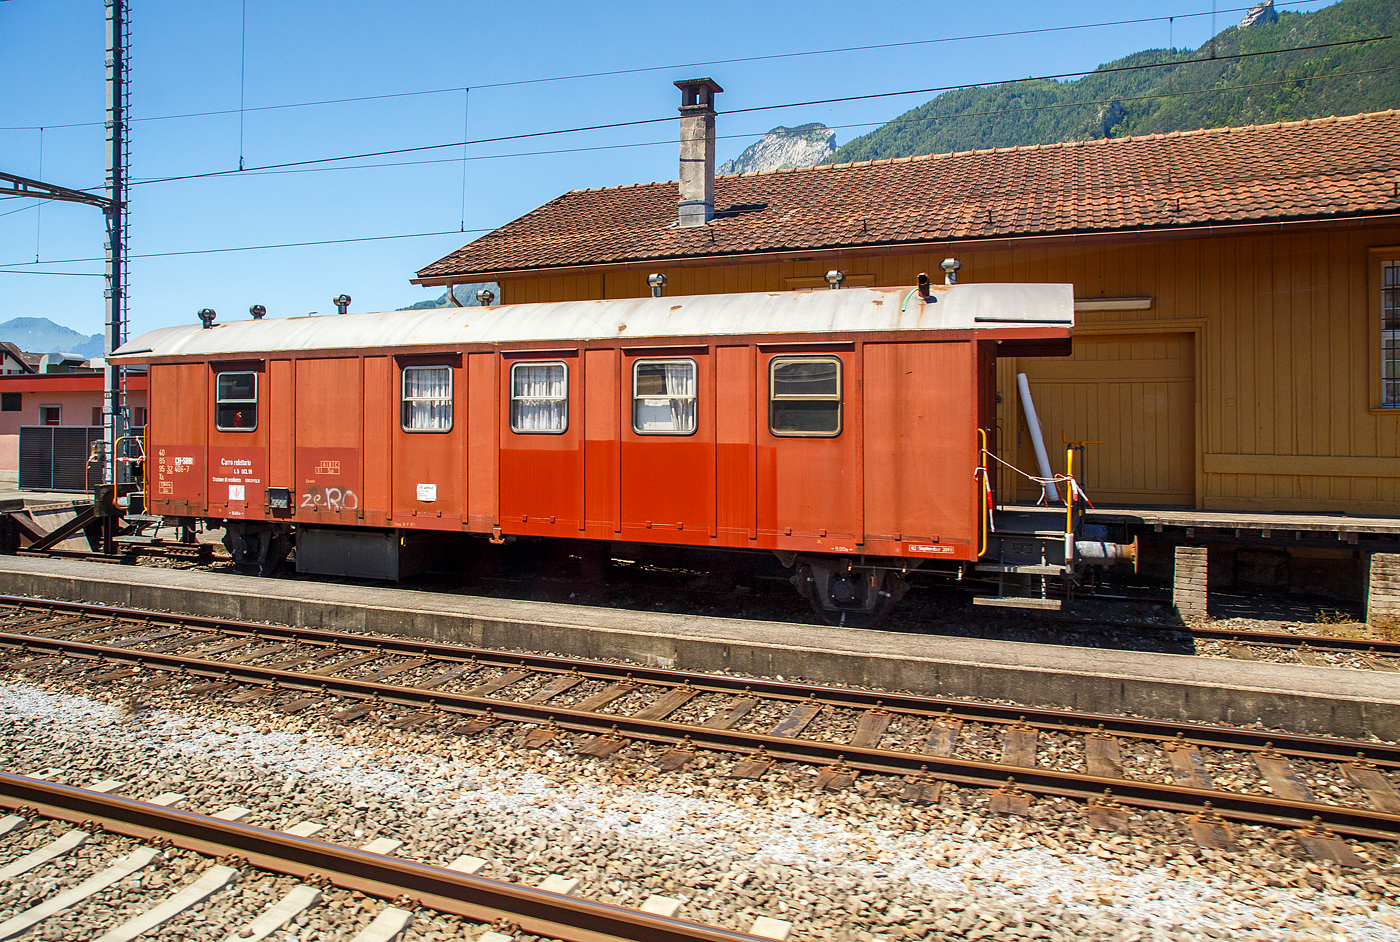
1052 493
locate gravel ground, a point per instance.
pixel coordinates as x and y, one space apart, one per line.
852 865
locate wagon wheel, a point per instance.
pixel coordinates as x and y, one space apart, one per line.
850 598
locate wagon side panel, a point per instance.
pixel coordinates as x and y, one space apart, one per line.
735 448
809 481
329 400
428 443
541 454
601 445
668 456
179 423
921 409
482 416
379 413
281 425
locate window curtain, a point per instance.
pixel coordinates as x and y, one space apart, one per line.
540 399
665 397
427 397
680 385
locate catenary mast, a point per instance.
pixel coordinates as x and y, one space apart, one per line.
114 377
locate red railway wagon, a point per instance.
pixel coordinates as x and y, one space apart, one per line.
839 429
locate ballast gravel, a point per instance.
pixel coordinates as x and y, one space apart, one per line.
852 865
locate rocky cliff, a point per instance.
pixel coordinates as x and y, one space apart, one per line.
802 146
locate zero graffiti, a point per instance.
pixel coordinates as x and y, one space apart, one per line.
330 498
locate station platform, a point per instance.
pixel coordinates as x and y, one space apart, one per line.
1243 523
1236 523
1323 700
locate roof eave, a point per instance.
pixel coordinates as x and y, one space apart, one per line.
652 263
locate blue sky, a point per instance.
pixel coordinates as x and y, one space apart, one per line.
188 56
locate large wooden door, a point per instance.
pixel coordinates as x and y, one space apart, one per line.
1136 394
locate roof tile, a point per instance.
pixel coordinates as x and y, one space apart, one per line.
1296 170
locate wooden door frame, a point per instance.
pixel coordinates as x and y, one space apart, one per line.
1196 327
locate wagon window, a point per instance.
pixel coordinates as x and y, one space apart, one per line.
236 401
805 396
663 397
427 399
539 398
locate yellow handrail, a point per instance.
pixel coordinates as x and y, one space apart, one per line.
984 489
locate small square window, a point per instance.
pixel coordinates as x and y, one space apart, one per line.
805 397
49 415
663 397
97 416
539 398
427 399
11 402
236 401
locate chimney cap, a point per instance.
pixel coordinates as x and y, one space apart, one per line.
698 95
707 82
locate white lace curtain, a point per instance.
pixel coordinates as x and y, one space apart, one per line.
539 398
665 396
427 398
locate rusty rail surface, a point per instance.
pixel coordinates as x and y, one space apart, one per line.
540 912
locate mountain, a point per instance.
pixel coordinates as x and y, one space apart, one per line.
1205 91
802 146
41 335
465 293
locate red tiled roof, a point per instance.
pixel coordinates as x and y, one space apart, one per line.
28 361
1293 171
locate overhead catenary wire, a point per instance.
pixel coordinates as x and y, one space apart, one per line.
1100 186
757 108
72 274
16 266
897 122
300 166
737 60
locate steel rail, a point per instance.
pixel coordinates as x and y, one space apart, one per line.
1255 809
1296 745
540 912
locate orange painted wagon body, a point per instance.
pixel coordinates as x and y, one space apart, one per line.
817 423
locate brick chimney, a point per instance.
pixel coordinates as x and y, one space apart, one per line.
697 202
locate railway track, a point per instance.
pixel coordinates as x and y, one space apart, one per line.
141 836
842 732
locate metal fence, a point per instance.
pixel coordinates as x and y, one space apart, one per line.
55 458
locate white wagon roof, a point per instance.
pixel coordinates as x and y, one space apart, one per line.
983 307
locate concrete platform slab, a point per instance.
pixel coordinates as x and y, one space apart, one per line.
1320 700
